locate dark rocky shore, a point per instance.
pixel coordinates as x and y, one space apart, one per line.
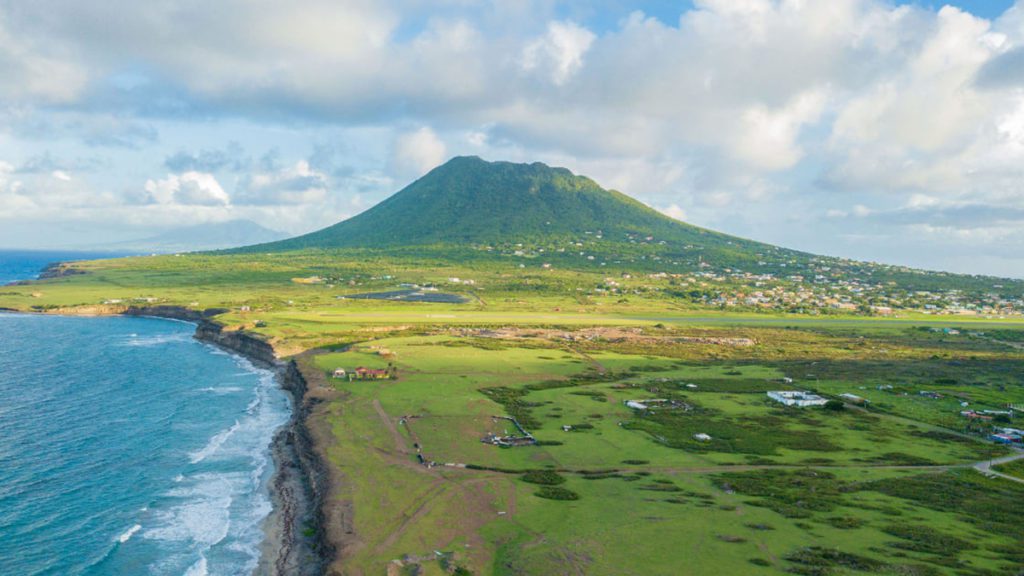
295 543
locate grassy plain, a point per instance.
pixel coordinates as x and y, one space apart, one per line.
883 488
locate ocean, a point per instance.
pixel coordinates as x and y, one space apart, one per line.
129 448
26 264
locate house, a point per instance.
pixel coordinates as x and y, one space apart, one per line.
362 373
972 415
797 398
340 373
853 399
1005 438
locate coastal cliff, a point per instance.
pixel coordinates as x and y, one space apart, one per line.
295 543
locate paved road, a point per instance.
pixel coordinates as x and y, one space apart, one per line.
986 466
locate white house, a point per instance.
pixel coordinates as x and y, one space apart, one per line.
853 398
797 398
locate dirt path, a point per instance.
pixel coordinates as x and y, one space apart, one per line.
986 466
422 507
396 436
590 359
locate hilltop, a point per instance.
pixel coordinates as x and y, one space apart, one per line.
472 209
469 201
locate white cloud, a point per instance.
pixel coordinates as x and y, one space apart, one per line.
559 53
37 69
189 189
61 175
295 185
674 211
741 114
416 152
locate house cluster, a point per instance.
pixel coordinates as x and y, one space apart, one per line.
798 398
985 415
1007 436
361 373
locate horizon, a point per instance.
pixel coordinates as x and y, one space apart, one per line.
898 142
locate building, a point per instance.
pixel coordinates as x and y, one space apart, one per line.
853 398
1006 438
701 437
797 398
371 374
340 373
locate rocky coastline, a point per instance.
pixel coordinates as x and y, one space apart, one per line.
295 543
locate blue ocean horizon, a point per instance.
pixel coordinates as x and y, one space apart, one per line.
128 447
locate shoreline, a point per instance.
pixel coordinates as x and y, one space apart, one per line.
294 542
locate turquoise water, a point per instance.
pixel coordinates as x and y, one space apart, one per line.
127 447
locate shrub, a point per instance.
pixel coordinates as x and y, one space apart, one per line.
556 493
835 406
817 560
845 522
925 539
544 477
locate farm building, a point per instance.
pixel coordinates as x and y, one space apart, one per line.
972 415
371 373
524 438
362 373
657 403
797 398
1006 438
853 398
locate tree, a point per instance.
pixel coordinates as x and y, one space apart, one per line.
835 406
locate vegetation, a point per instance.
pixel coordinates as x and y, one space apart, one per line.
641 373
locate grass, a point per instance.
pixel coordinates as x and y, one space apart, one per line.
881 489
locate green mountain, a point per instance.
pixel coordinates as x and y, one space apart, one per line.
471 201
471 209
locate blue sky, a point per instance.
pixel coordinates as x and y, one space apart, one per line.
858 128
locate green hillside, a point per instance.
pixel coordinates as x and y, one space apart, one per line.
469 200
469 210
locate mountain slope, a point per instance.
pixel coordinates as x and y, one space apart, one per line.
213 236
471 201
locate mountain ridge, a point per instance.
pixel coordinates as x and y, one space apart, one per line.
470 200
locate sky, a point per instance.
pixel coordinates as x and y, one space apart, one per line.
869 129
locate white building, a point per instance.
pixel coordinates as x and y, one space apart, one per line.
796 398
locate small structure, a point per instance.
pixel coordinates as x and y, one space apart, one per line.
853 398
524 438
340 373
1005 438
798 398
701 437
362 373
972 415
657 403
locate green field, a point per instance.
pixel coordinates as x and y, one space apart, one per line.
887 487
